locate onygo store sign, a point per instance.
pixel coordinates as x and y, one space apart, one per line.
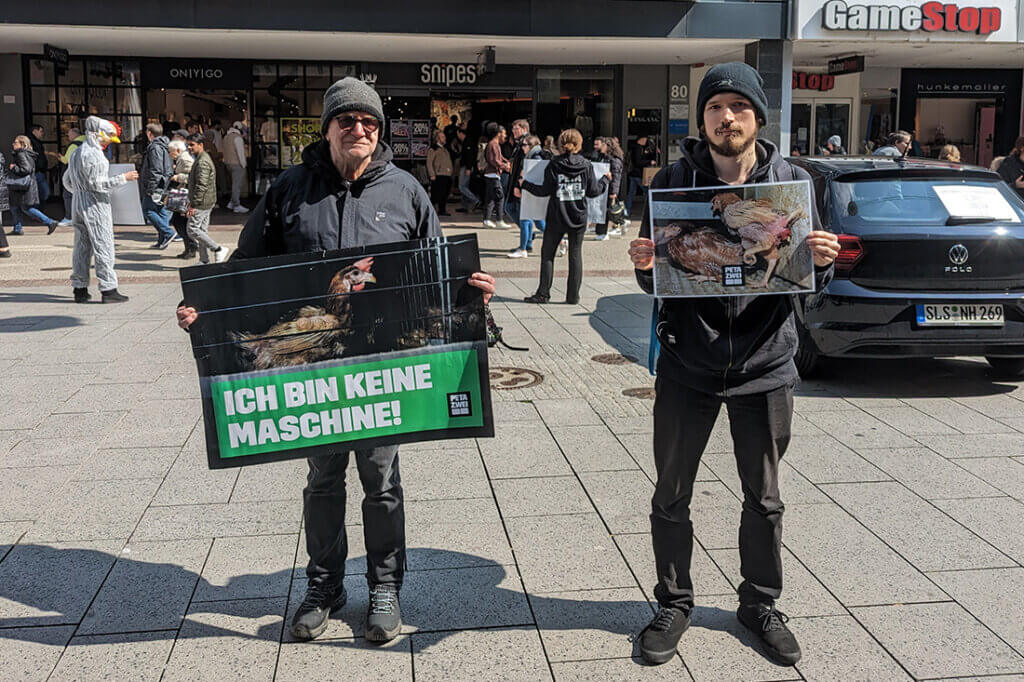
837 15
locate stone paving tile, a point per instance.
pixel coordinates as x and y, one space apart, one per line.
444 475
802 594
958 415
52 584
455 534
358 659
996 519
997 406
32 653
938 639
717 647
631 425
500 654
514 411
1004 473
125 656
620 670
541 496
567 413
852 563
275 481
569 552
924 535
592 448
838 648
219 520
189 481
26 415
92 426
10 533
928 474
463 598
823 459
820 402
109 465
166 426
910 421
622 498
94 510
976 445
248 568
706 577
25 491
228 640
993 596
522 451
589 624
859 430
149 588
56 388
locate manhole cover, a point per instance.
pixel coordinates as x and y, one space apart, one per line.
613 359
508 378
647 393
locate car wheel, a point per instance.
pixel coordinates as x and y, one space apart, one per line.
1011 367
807 355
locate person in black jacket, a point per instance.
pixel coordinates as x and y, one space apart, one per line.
568 180
154 178
346 193
1011 170
732 350
26 201
467 167
611 152
42 163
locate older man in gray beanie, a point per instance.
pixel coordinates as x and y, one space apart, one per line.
346 193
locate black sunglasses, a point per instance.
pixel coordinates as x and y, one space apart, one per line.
346 123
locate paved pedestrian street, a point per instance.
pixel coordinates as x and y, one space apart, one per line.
122 557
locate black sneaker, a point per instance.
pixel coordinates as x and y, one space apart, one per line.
659 639
82 295
384 617
537 298
769 624
163 242
113 296
188 254
310 620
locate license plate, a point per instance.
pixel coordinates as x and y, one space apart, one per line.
959 315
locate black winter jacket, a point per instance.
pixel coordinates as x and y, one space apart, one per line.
311 208
24 161
727 345
1009 170
157 167
568 180
37 146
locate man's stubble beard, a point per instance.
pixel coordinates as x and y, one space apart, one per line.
732 146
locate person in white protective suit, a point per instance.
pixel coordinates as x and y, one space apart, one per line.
88 179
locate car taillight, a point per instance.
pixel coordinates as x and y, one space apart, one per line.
851 251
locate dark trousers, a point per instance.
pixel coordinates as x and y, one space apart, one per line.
440 188
180 224
553 234
383 516
760 426
602 228
494 198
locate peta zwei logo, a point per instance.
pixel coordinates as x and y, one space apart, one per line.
836 15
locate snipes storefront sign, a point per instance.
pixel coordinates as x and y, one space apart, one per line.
837 15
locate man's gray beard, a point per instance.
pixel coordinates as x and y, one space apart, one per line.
731 147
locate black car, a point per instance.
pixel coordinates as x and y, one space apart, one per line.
932 263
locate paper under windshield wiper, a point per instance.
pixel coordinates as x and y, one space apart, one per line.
969 219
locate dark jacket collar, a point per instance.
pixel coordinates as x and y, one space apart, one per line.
317 157
697 154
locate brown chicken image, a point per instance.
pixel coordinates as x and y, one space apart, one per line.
762 227
701 252
316 333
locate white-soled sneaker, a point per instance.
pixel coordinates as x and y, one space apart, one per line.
490 224
518 253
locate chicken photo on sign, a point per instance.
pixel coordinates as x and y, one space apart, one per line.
372 346
732 240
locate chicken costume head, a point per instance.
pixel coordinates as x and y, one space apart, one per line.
102 130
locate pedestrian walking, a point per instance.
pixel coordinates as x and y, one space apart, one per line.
467 167
520 129
345 181
88 178
531 150
611 152
495 164
641 156
896 146
154 177
950 153
5 205
183 161
23 187
1011 170
75 139
234 159
568 181
737 351
439 169
202 197
35 138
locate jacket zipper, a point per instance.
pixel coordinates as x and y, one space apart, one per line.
725 374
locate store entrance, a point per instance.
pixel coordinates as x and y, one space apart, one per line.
814 121
968 123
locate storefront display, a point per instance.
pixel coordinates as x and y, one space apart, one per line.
296 135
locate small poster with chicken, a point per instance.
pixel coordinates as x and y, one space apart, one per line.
315 353
732 240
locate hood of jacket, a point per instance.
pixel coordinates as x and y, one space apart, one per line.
697 153
569 163
161 141
318 157
534 152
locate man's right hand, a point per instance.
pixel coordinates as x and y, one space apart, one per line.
186 316
131 175
641 252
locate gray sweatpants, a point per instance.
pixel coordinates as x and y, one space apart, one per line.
93 243
198 224
237 174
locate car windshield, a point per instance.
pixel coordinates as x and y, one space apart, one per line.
920 201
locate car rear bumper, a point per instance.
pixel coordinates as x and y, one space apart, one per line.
847 320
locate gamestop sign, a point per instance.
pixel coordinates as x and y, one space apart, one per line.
930 17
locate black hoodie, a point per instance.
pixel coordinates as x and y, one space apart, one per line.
727 345
311 208
568 180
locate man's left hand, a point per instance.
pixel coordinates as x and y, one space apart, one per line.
483 282
824 246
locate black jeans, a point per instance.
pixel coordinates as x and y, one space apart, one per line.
180 224
760 426
383 517
494 199
553 234
440 188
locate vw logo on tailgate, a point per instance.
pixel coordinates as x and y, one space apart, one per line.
958 254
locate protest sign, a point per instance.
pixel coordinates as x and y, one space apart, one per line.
535 208
732 240
317 353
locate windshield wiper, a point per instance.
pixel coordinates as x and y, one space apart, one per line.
969 219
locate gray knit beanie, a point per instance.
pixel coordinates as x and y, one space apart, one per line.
350 94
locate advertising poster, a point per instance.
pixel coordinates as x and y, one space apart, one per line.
400 128
316 353
535 208
400 149
732 240
419 149
421 128
296 135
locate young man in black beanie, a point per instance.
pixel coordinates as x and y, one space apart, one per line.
346 193
737 351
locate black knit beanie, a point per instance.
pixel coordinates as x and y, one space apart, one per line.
733 77
350 94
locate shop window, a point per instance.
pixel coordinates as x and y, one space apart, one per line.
289 76
263 75
581 98
290 102
72 101
318 76
74 74
49 124
99 73
44 100
40 72
339 71
314 104
127 73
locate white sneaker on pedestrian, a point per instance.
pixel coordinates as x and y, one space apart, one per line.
221 254
615 232
508 226
490 224
65 223
601 238
518 253
240 209
626 223
563 248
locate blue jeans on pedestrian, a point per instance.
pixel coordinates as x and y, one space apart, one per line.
526 232
18 211
67 205
466 196
159 217
512 207
44 187
634 183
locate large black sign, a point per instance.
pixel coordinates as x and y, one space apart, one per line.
197 74
57 55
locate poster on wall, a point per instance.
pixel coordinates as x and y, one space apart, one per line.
421 128
296 135
732 240
419 149
400 128
443 109
535 208
401 149
308 354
